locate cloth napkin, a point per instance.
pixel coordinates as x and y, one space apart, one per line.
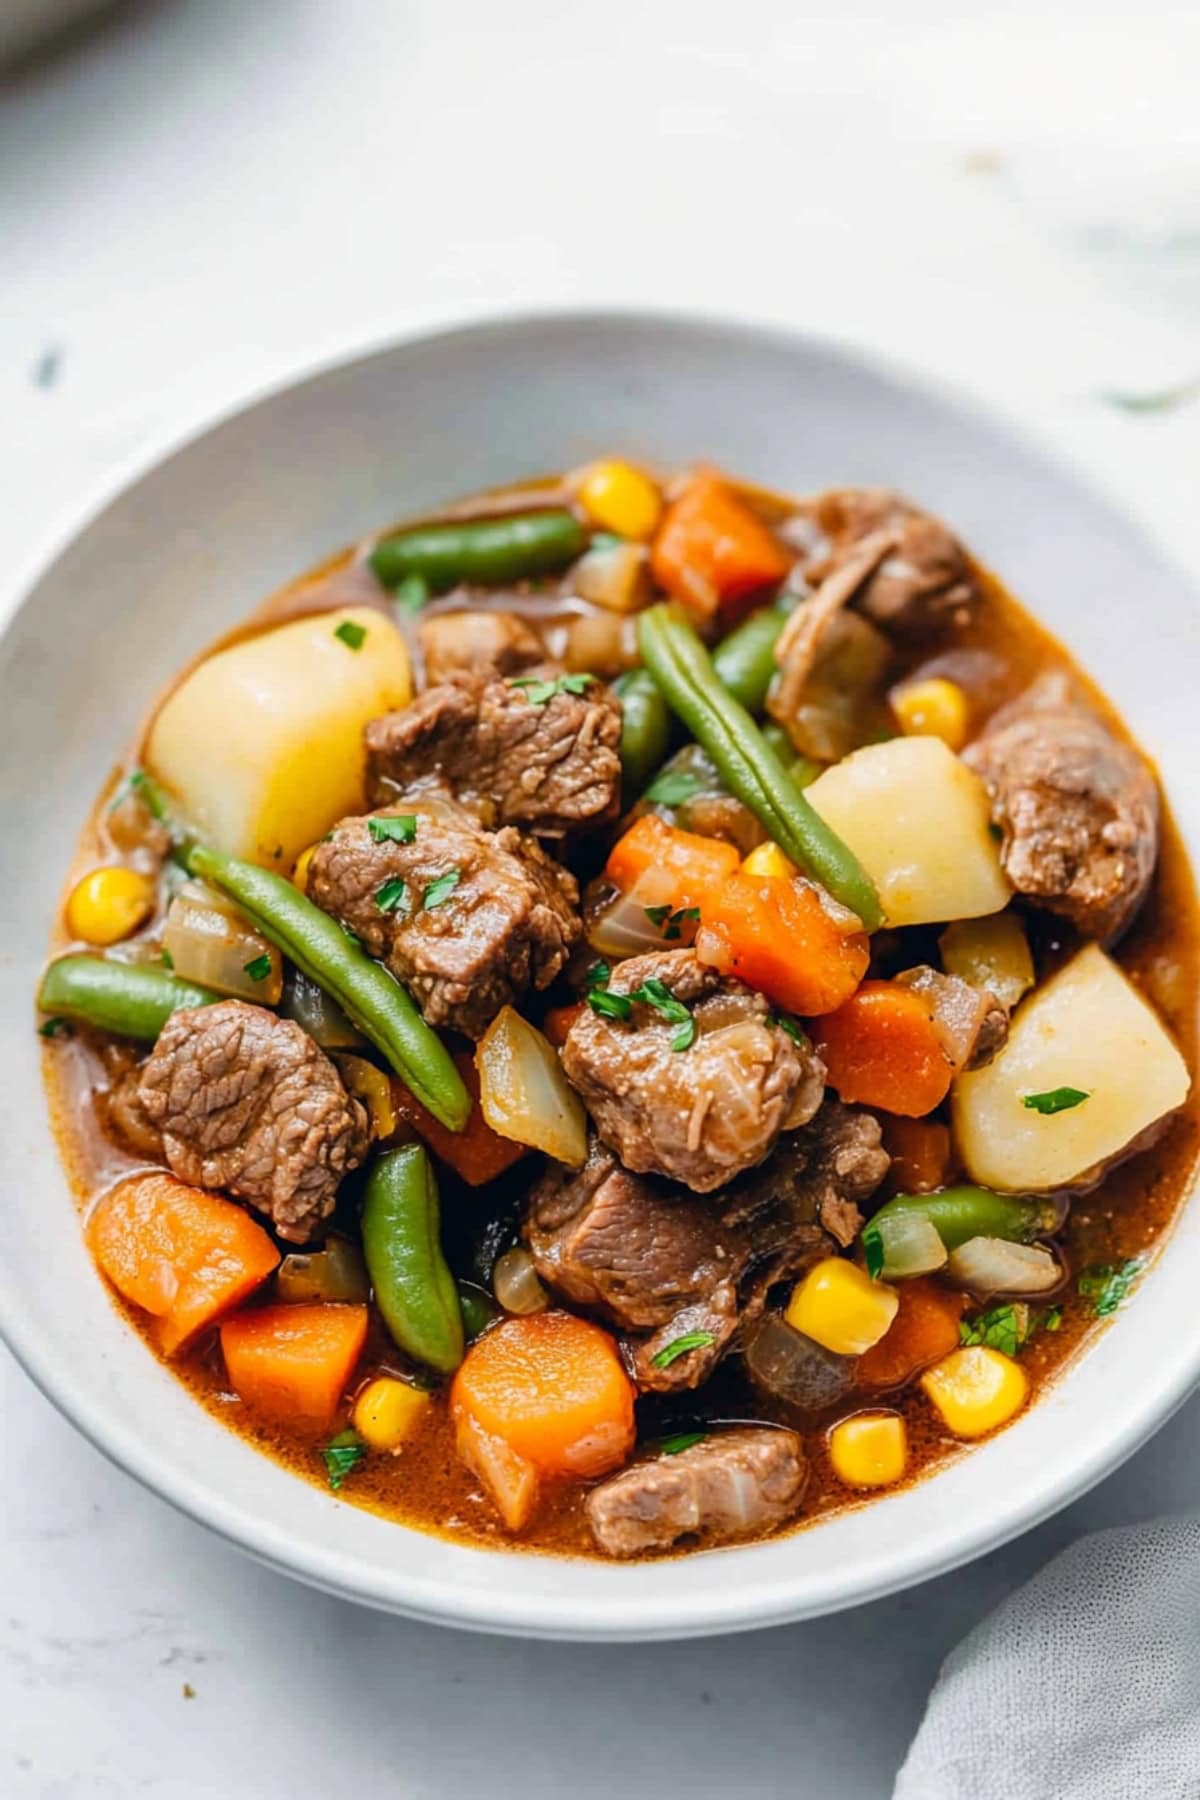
1084 1685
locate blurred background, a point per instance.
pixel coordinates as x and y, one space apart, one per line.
196 197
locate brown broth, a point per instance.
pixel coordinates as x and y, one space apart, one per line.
426 1486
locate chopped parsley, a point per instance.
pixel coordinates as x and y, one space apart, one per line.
788 1026
391 897
53 1028
411 594
1055 1100
167 960
540 692
657 915
597 975
351 937
393 828
1107 1285
352 634
439 891
673 787
608 1005
682 1440
1004 1328
147 791
657 995
342 1456
1053 1319
872 1243
259 969
691 1340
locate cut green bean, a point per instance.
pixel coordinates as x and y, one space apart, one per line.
414 1289
371 998
745 659
684 674
129 999
488 551
960 1213
645 728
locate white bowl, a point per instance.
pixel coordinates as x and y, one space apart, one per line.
212 527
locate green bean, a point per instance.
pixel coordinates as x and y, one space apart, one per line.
491 551
129 999
414 1289
684 673
478 1308
645 728
745 659
369 996
959 1213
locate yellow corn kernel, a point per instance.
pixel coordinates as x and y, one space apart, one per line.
108 904
373 1088
976 1389
870 1450
619 498
839 1306
767 859
387 1412
300 872
934 708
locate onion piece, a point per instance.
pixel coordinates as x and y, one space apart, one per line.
510 1481
335 1273
911 1245
600 644
989 1265
625 928
210 942
315 1012
517 1284
370 1085
615 576
796 1369
523 1093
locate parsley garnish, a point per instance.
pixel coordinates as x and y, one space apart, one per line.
1053 1319
54 1027
393 828
657 995
259 969
1107 1285
1055 1100
148 792
351 634
540 692
673 787
691 1340
167 960
609 1006
342 1457
683 1440
597 975
872 1243
783 1023
657 915
1001 1328
391 896
439 891
412 593
351 936
670 923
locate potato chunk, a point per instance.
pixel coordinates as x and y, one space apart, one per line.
262 742
917 819
1087 1029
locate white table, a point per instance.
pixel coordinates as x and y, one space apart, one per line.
203 194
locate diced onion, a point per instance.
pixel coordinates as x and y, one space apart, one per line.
991 953
990 1265
335 1273
625 928
523 1093
601 644
211 943
313 1010
517 1285
794 1368
370 1085
911 1245
615 576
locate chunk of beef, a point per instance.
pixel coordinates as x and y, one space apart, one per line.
701 1114
971 1023
659 1262
1078 808
479 641
248 1102
517 754
737 1483
467 919
924 581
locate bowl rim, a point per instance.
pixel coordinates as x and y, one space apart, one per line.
619 1617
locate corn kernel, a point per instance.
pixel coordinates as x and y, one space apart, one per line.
976 1389
373 1088
300 872
108 904
768 859
934 708
619 498
387 1412
869 1450
840 1307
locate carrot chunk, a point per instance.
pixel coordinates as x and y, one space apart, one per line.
881 1048
182 1254
294 1363
712 551
477 1153
690 867
773 932
924 1330
557 1022
552 1388
920 1153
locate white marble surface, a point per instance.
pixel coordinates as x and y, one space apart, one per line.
203 193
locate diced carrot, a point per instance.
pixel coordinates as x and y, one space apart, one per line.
881 1048
557 1022
920 1153
690 867
773 932
924 1330
182 1254
712 551
511 1480
552 1387
477 1153
294 1363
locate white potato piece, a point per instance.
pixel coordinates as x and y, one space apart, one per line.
262 743
917 819
1087 1028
